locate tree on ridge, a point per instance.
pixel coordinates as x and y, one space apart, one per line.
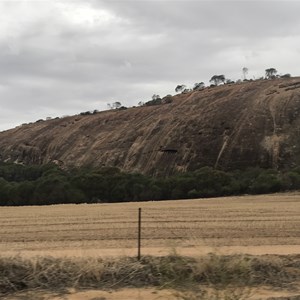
270 73
217 79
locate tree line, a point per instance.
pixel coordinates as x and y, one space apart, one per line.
270 73
48 184
216 80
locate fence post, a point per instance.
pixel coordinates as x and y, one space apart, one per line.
139 233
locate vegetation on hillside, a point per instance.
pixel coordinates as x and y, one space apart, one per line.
216 80
48 184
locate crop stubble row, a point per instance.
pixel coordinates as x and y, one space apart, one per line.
247 220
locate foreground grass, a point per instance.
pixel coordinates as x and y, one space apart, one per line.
181 273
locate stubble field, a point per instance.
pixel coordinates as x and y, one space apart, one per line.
267 224
45 247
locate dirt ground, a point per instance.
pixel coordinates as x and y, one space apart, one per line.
267 224
262 293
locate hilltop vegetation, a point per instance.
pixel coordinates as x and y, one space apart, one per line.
227 127
48 184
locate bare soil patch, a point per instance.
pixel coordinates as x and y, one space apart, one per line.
262 293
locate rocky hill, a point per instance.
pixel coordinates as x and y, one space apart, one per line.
231 126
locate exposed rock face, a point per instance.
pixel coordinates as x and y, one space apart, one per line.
231 126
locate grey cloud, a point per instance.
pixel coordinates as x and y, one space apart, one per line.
128 50
233 17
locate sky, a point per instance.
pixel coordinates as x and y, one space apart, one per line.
61 58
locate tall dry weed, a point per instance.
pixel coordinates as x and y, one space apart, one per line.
222 273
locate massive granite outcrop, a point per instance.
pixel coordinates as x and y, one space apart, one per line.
228 127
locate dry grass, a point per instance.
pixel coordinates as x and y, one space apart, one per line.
186 274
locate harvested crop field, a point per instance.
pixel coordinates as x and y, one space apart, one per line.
267 224
42 245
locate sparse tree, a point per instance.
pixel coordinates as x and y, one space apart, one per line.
217 79
141 103
114 105
198 86
245 72
156 100
155 97
180 88
117 105
270 73
167 99
185 91
229 81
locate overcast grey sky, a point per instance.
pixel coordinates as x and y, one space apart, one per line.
64 57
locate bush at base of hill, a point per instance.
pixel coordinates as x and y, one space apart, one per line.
43 185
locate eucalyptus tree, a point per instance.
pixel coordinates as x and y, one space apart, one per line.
270 73
217 79
180 88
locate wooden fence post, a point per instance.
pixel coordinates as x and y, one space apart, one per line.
139 233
